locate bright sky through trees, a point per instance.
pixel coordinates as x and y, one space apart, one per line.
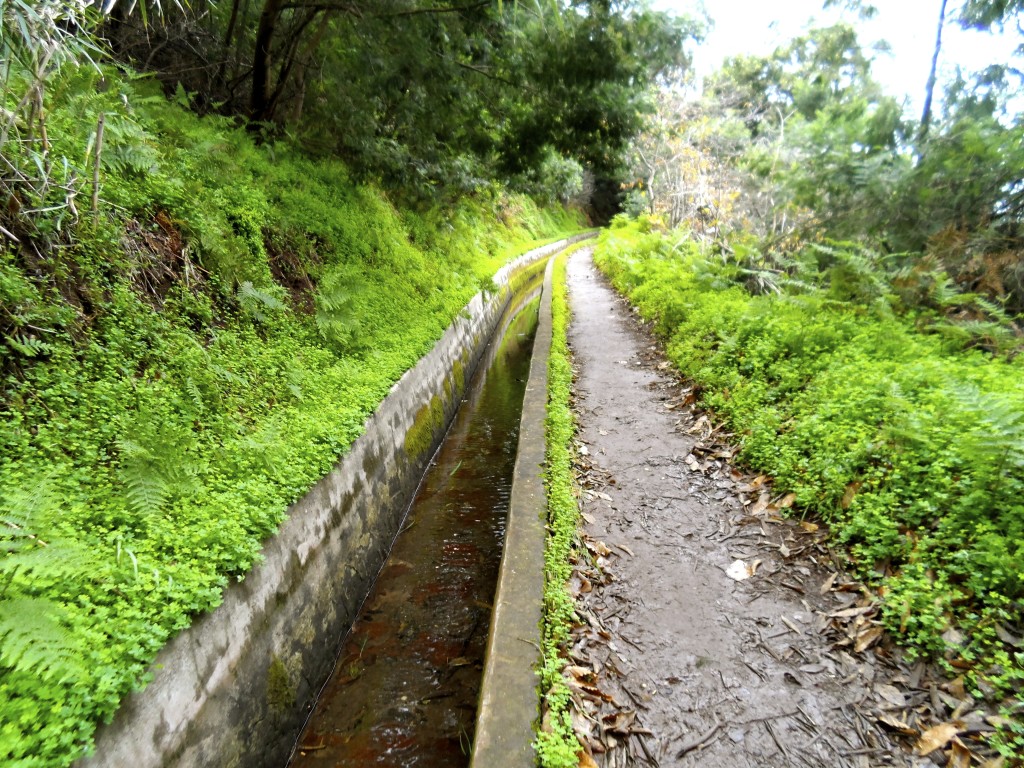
908 26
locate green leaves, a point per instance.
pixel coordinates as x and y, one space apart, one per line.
831 389
32 640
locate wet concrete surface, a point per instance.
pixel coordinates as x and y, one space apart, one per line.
404 690
702 670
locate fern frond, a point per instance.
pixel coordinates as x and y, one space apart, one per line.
336 316
259 304
54 561
28 346
194 393
32 640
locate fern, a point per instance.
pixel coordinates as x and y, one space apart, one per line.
261 304
336 312
28 346
153 468
32 640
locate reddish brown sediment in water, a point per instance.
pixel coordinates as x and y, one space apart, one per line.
404 691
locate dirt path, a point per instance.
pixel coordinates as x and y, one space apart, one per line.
679 664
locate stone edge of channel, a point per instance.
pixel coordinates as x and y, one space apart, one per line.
509 705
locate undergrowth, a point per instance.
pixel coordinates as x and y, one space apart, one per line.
906 440
181 364
557 746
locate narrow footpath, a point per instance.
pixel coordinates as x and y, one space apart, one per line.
717 632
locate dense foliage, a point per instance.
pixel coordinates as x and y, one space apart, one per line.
179 365
906 438
804 145
434 99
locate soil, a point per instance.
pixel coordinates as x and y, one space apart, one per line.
677 663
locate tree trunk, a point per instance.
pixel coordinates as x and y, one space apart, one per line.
926 114
228 37
259 104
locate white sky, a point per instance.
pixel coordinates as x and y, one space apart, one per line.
759 26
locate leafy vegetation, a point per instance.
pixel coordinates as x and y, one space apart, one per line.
557 746
180 364
433 99
905 438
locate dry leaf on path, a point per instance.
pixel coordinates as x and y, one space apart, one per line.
826 586
937 737
738 571
896 724
892 695
961 757
867 638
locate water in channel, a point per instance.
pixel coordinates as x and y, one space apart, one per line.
404 691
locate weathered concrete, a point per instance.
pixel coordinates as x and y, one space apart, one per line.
234 689
509 696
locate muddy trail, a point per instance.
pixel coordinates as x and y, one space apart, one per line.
718 632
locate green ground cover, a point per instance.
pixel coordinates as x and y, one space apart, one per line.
178 368
557 746
908 440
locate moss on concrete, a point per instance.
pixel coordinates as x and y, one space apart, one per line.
428 421
459 373
280 689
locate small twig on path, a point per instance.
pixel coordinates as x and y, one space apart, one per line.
643 745
700 741
771 732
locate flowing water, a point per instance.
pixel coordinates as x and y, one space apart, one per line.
404 690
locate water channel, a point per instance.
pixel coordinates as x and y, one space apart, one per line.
404 690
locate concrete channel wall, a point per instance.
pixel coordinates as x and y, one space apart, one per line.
509 692
235 688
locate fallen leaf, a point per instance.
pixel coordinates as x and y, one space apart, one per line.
848 494
961 757
786 501
867 638
809 527
956 687
892 695
738 571
937 737
761 504
791 625
847 613
896 724
826 585
588 517
601 495
586 761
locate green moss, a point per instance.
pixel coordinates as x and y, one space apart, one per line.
280 688
427 423
459 375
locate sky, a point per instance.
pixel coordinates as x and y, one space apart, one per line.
909 26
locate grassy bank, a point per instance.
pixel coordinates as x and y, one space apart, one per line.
908 441
557 745
181 365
